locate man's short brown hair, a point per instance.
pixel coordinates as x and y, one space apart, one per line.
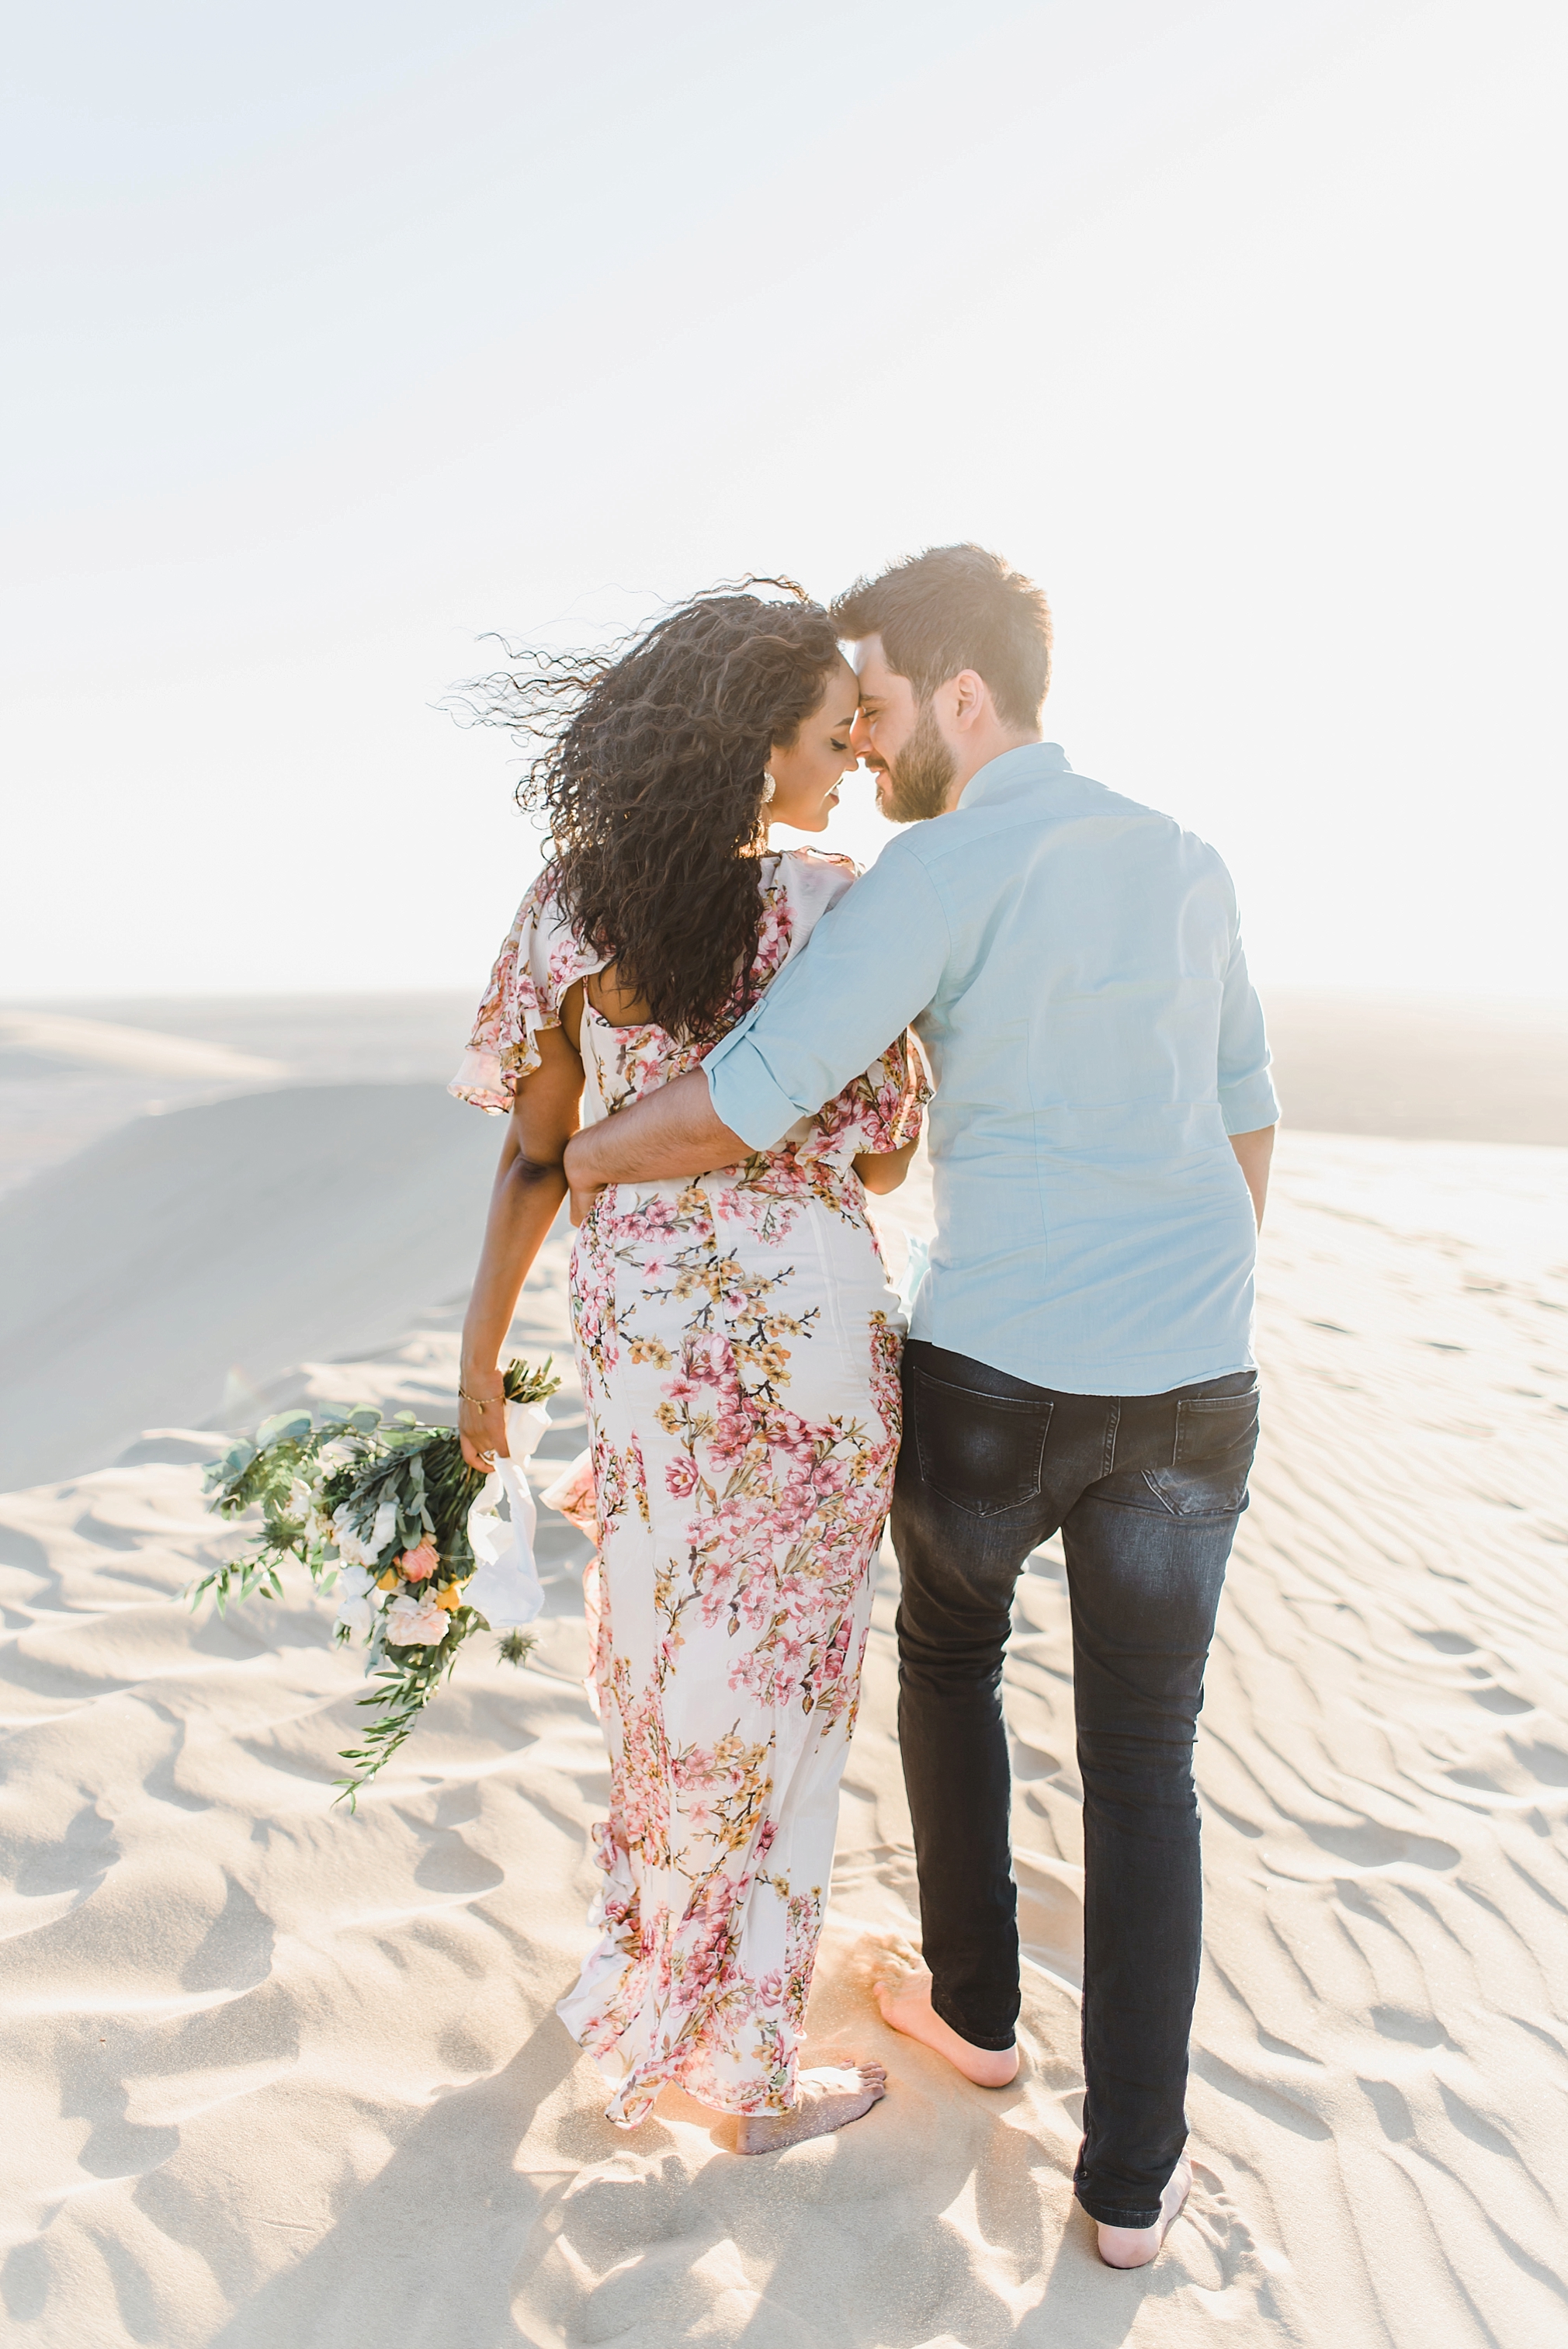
953 608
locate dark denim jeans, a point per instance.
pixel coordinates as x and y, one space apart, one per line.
1146 1490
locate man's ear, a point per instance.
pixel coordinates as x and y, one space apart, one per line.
972 697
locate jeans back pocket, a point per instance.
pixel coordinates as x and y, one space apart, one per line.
983 1453
1216 1436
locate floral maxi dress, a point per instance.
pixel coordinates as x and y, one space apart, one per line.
738 1351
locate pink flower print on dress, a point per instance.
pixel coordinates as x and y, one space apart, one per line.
733 1431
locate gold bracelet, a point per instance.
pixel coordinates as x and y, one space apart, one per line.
483 1401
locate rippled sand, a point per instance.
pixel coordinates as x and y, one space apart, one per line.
279 2075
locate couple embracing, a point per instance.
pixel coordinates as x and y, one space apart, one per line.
707 1042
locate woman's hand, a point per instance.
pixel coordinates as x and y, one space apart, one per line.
481 1419
583 1203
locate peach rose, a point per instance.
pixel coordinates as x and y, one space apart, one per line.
416 1623
416 1564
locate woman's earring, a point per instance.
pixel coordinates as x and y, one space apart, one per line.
769 788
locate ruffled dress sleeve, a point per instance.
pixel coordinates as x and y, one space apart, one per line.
540 958
877 1113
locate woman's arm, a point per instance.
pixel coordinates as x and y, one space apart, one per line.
529 1184
883 1170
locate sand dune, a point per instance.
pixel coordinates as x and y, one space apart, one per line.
71 1074
221 1243
41 1037
1421 1067
283 2076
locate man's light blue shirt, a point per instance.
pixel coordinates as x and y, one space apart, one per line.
1072 963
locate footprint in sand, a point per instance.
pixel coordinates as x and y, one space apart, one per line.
1369 1847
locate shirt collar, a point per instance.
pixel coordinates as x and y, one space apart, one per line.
1030 763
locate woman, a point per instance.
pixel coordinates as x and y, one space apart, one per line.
735 1338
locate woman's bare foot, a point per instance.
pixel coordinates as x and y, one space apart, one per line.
1134 2247
830 2097
900 1983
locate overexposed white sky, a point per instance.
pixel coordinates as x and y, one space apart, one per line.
343 333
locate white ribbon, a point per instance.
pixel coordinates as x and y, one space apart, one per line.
506 1588
916 1266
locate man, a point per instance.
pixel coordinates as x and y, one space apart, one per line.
1079 1355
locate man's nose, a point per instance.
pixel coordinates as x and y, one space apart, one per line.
859 735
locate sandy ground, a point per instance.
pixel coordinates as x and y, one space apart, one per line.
280 2075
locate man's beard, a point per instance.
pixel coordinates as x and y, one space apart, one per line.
920 777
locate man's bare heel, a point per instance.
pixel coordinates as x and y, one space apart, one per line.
1135 2247
900 1981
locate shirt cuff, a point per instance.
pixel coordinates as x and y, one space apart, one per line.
1249 1105
745 1094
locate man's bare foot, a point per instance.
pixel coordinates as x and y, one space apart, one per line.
830 2095
901 1982
1134 2247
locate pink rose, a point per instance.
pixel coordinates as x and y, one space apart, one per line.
416 1564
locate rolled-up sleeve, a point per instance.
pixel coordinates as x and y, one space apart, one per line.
872 964
1247 1097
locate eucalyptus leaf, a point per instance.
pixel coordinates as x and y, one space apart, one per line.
290 1426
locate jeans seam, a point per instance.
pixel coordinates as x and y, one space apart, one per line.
981 1394
965 2029
1123 2218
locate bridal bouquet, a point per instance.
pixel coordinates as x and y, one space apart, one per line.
390 1513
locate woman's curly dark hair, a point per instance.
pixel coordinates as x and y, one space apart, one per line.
649 766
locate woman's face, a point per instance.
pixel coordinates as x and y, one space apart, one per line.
806 776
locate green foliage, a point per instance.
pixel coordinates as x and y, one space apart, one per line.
353 1489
